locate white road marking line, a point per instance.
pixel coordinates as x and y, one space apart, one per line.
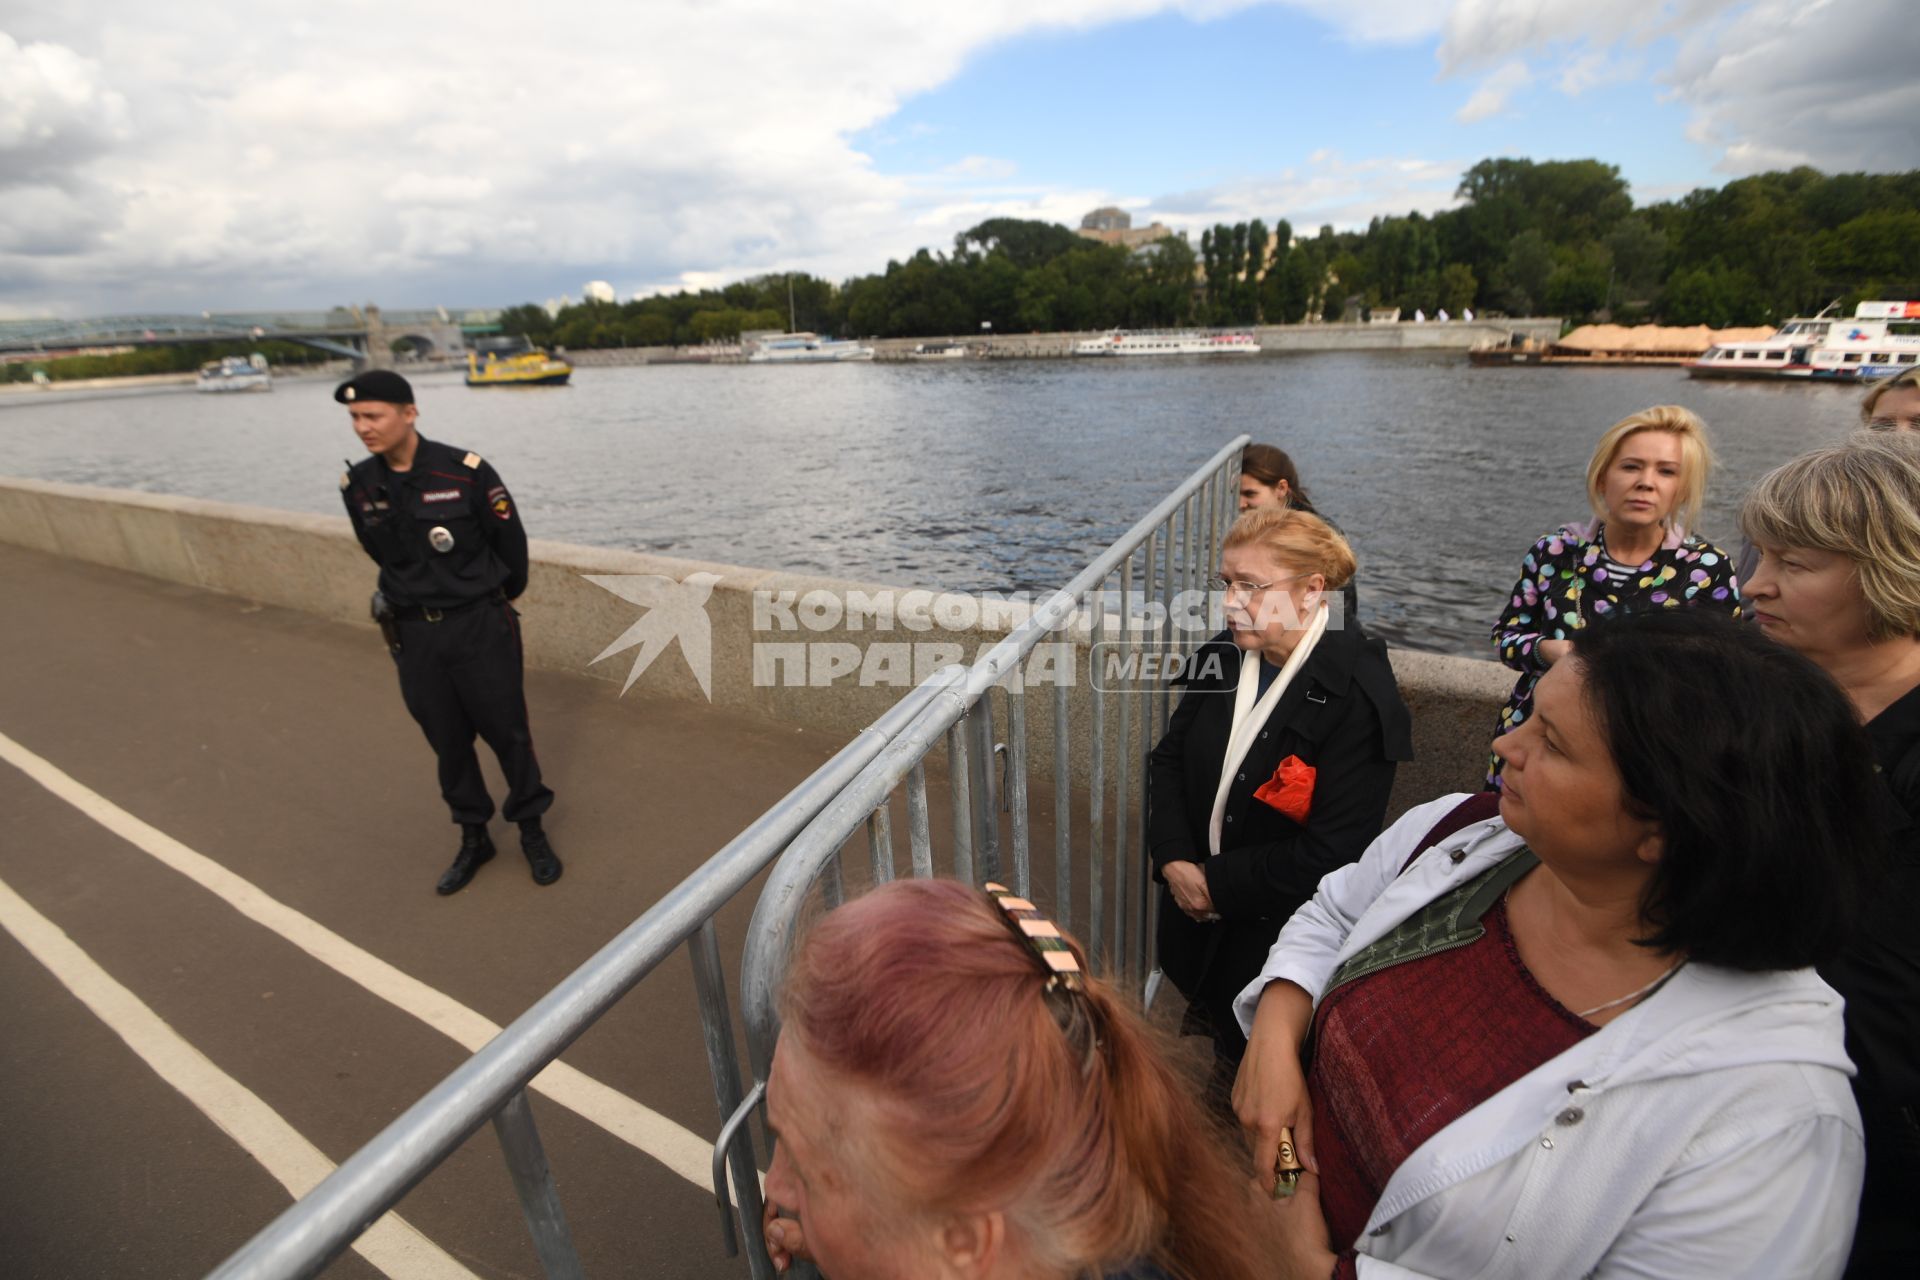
391 1244
679 1149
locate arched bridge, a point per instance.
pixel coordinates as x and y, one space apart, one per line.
365 335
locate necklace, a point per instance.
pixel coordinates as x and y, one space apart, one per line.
1641 994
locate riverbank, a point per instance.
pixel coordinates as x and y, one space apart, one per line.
1274 339
334 369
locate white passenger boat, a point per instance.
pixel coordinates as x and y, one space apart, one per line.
1882 339
938 351
808 348
235 373
1151 342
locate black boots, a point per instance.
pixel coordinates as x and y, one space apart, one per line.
541 858
476 847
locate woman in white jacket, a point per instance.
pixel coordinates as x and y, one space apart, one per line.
1576 1034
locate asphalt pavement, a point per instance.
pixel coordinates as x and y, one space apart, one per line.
272 747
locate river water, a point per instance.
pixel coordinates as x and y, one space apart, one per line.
974 476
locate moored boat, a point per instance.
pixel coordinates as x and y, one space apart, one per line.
938 351
515 362
808 348
1154 342
234 373
1882 339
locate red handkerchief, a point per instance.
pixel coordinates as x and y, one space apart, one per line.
1290 789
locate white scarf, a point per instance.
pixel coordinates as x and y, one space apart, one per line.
1250 710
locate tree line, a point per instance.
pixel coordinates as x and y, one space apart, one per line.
183 357
1527 238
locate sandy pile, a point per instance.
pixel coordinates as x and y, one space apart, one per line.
1655 337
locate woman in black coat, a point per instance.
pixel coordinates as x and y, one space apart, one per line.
1275 767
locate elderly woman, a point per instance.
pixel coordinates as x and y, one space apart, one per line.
1645 483
1275 766
1839 581
1569 1029
955 1098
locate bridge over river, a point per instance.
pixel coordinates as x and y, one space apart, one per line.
366 335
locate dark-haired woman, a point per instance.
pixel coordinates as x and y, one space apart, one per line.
1269 480
1571 1029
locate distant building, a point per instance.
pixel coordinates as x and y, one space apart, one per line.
597 291
554 306
1112 225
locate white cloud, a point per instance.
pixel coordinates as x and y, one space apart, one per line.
222 155
984 167
1331 190
54 107
1491 97
1830 84
1770 83
231 151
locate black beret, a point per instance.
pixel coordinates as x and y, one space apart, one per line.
375 384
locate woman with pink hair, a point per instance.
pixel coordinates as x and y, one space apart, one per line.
954 1096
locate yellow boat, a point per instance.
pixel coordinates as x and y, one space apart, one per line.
515 364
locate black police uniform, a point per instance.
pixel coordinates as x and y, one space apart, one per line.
452 552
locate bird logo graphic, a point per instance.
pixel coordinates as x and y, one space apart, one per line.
674 611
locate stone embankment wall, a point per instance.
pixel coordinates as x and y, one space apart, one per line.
1275 339
311 563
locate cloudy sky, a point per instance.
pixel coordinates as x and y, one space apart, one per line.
225 156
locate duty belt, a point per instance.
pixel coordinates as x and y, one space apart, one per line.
422 613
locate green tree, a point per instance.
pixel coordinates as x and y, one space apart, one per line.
1639 255
1529 264
1457 287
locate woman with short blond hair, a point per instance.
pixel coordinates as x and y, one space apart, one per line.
1646 482
1275 767
1838 531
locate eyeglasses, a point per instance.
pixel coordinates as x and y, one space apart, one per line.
1241 587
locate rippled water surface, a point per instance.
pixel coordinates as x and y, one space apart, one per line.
975 476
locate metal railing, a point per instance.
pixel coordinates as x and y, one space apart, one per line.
1173 547
1166 556
491 1084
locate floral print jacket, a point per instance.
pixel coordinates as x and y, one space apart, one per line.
1564 585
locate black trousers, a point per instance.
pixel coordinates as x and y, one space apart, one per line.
462 676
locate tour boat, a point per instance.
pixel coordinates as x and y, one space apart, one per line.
235 373
938 351
515 362
1185 342
807 348
1882 339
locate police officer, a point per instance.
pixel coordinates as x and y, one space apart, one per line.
452 553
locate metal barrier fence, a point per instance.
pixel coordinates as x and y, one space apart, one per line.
1174 546
1146 577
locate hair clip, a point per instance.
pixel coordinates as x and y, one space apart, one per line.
1040 935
